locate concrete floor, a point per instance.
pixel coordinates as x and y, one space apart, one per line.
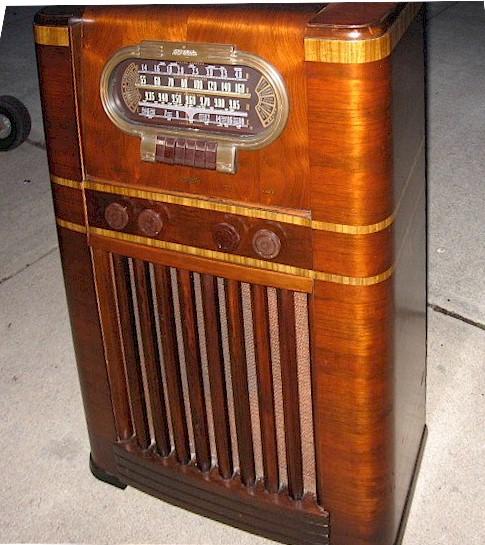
48 494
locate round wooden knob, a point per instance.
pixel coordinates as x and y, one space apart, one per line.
150 222
116 215
226 237
266 243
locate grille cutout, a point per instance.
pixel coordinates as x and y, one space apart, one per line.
217 372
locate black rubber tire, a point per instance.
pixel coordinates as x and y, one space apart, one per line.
20 122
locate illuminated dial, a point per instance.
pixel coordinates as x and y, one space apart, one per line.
218 97
212 94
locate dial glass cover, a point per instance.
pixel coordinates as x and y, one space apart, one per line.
231 99
195 90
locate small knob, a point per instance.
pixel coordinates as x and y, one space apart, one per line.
150 222
226 237
266 243
116 215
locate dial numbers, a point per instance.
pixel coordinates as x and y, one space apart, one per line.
228 99
131 95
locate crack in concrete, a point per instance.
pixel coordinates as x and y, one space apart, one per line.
457 316
5 278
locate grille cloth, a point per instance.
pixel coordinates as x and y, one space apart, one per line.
304 374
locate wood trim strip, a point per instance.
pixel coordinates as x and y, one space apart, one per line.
247 261
204 204
71 226
230 258
171 362
251 212
353 229
291 396
193 365
110 329
239 379
361 51
151 356
217 381
66 182
201 252
203 265
51 35
131 350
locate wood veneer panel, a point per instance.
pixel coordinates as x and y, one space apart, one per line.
410 242
353 255
132 361
151 358
195 227
259 178
171 362
68 203
353 409
194 370
350 131
215 360
59 110
88 346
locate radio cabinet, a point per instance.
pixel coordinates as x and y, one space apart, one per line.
240 201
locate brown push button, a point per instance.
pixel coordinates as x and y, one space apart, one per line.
150 222
116 215
266 243
226 237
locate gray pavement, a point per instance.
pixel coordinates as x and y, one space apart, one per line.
47 493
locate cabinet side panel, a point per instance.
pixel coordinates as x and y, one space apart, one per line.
410 243
55 37
88 346
352 326
349 109
59 110
353 410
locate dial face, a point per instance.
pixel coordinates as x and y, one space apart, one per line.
226 99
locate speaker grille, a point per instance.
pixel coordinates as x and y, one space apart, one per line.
218 372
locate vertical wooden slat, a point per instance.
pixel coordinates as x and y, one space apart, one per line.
289 379
151 356
112 344
194 370
171 361
215 361
262 353
134 375
239 375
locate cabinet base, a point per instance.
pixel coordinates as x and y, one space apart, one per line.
104 476
412 487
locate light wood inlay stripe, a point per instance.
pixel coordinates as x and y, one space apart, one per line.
241 210
66 182
353 229
361 51
241 260
52 35
71 226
